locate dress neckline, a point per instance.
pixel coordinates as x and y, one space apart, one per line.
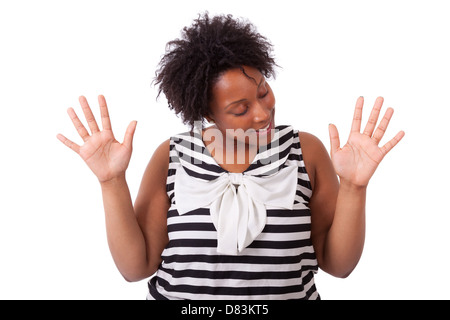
198 161
208 153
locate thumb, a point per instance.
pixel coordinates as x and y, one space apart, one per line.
334 139
129 134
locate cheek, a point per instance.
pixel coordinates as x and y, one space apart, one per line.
271 101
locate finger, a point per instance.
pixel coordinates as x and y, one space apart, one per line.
84 134
88 114
392 143
67 142
106 121
372 122
382 127
334 139
357 116
129 134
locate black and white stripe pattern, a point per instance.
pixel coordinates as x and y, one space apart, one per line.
279 264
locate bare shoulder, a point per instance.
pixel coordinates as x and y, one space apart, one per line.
159 163
160 158
314 153
153 183
309 141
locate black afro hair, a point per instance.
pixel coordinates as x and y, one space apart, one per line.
206 49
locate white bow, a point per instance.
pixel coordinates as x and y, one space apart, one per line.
237 202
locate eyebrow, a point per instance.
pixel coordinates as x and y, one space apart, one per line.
242 100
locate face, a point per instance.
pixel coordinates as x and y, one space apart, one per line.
243 106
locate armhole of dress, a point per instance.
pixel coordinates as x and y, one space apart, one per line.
173 160
302 166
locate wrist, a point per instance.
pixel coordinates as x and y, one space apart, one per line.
114 181
352 187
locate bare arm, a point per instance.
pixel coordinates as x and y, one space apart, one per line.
125 238
151 206
338 209
137 235
131 247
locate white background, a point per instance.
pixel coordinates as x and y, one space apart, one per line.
52 233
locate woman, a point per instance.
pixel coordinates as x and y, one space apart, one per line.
242 208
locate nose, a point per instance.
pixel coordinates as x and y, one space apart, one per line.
262 113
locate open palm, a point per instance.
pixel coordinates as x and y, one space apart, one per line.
358 159
104 155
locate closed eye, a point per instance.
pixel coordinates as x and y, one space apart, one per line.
242 113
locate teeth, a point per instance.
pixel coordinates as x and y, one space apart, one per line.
265 128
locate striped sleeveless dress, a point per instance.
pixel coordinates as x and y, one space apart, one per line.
279 264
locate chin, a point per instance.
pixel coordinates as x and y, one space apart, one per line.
265 136
256 138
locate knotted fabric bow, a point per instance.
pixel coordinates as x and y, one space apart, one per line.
237 202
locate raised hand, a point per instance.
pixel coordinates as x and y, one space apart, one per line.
358 159
104 155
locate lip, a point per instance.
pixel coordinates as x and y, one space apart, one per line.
266 129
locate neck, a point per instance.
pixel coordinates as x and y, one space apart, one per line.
230 152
